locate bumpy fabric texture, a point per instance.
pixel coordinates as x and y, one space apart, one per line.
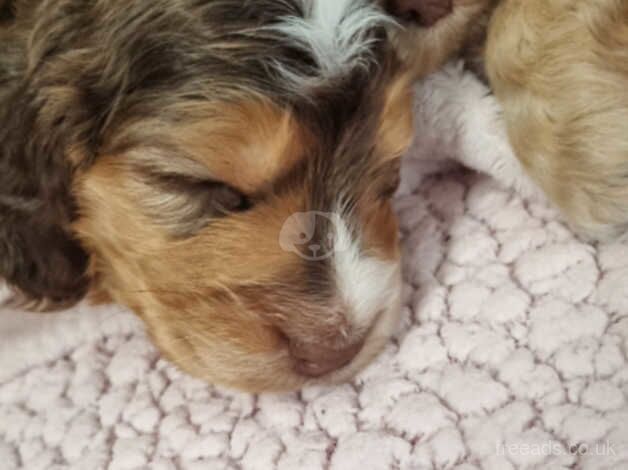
511 354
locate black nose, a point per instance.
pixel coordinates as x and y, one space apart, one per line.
423 12
316 360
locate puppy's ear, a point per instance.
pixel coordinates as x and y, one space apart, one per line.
43 262
38 255
6 10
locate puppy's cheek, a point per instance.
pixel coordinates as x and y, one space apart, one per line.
221 345
380 235
185 289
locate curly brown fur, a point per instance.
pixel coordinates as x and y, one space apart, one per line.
38 255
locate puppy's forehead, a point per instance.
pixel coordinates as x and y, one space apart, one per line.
248 144
256 145
264 75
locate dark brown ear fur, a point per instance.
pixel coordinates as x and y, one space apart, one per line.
38 256
6 11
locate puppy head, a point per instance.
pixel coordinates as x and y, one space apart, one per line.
259 252
238 200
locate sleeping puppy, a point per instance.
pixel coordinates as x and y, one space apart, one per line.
222 167
559 69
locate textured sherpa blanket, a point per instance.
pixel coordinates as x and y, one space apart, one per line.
511 353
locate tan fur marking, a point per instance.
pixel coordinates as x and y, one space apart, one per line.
395 129
247 145
378 234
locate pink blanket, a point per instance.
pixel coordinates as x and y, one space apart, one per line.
512 351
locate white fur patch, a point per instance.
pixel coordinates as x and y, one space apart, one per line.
480 141
369 286
335 32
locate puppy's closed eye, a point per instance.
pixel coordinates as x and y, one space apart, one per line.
185 204
215 197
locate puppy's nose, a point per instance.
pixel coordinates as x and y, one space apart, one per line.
316 360
424 12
